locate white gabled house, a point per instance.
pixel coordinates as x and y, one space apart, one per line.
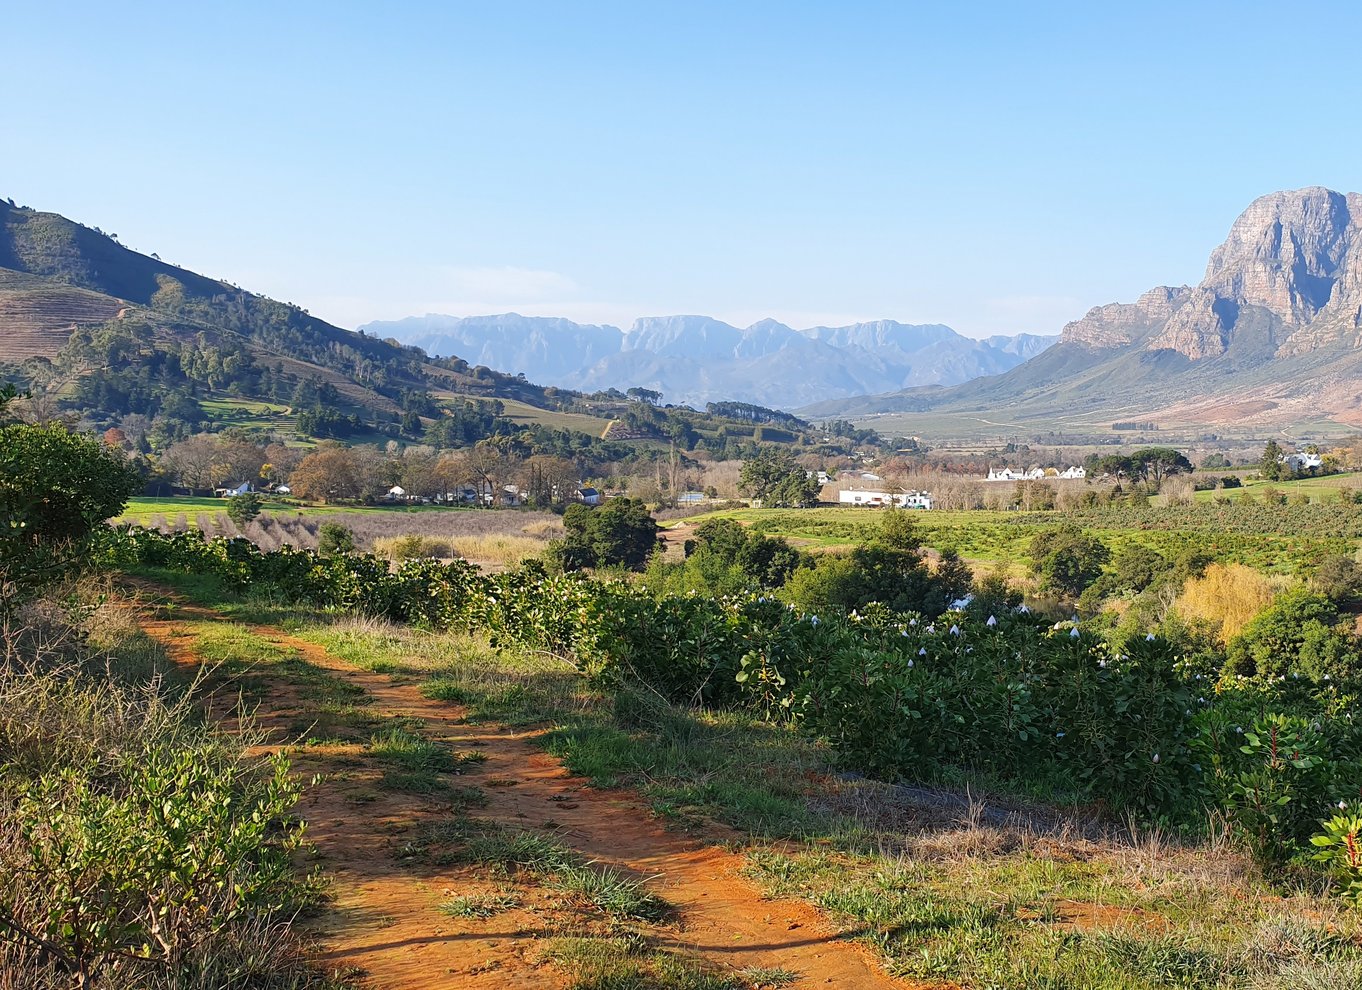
240 489
589 496
1303 461
1034 473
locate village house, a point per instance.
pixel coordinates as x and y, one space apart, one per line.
873 499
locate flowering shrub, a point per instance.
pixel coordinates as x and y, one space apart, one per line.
1133 727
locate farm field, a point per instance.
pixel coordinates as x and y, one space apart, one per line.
142 510
521 412
1317 489
1253 535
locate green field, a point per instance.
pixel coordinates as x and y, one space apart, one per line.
521 412
142 511
1000 540
1318 489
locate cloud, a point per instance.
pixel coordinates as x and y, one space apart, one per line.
507 284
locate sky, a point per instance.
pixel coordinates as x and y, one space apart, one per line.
997 167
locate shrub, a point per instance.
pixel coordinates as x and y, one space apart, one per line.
333 538
55 489
1226 595
243 508
1295 635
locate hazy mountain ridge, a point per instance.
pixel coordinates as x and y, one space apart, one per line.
698 359
1275 326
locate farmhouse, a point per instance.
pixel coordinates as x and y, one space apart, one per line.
1035 473
1303 462
904 500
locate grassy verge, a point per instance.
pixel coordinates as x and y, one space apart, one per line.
111 781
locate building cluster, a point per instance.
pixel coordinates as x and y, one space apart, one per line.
1076 472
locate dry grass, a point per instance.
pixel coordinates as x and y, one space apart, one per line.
502 550
1228 596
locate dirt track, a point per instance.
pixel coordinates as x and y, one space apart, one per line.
384 920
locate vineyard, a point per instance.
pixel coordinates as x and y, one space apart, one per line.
989 692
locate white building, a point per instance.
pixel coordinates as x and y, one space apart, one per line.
1034 473
878 499
1303 462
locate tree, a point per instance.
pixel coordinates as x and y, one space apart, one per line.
1067 559
1297 633
334 474
333 538
548 480
1270 467
776 479
644 395
1156 463
244 508
194 463
55 489
619 533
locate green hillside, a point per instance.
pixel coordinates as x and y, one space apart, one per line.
120 339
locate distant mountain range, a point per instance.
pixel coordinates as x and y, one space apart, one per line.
1271 335
696 359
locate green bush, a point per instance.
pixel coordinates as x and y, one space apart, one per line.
333 538
56 488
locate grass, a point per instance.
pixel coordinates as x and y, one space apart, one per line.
479 906
1317 489
991 539
521 412
417 765
511 852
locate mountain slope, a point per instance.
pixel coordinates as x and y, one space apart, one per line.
1272 334
57 275
697 359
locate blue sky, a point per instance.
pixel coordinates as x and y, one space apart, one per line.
998 167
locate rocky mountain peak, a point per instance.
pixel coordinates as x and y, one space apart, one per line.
1286 252
1293 258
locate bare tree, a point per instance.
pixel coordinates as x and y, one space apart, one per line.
194 463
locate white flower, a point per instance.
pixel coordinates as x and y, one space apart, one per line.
1202 700
813 620
1073 633
991 621
1149 637
1059 735
1239 729
955 630
1023 610
903 632
912 622
910 663
922 652
1156 757
1343 806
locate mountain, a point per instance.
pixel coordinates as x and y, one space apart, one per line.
1271 335
698 359
63 284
